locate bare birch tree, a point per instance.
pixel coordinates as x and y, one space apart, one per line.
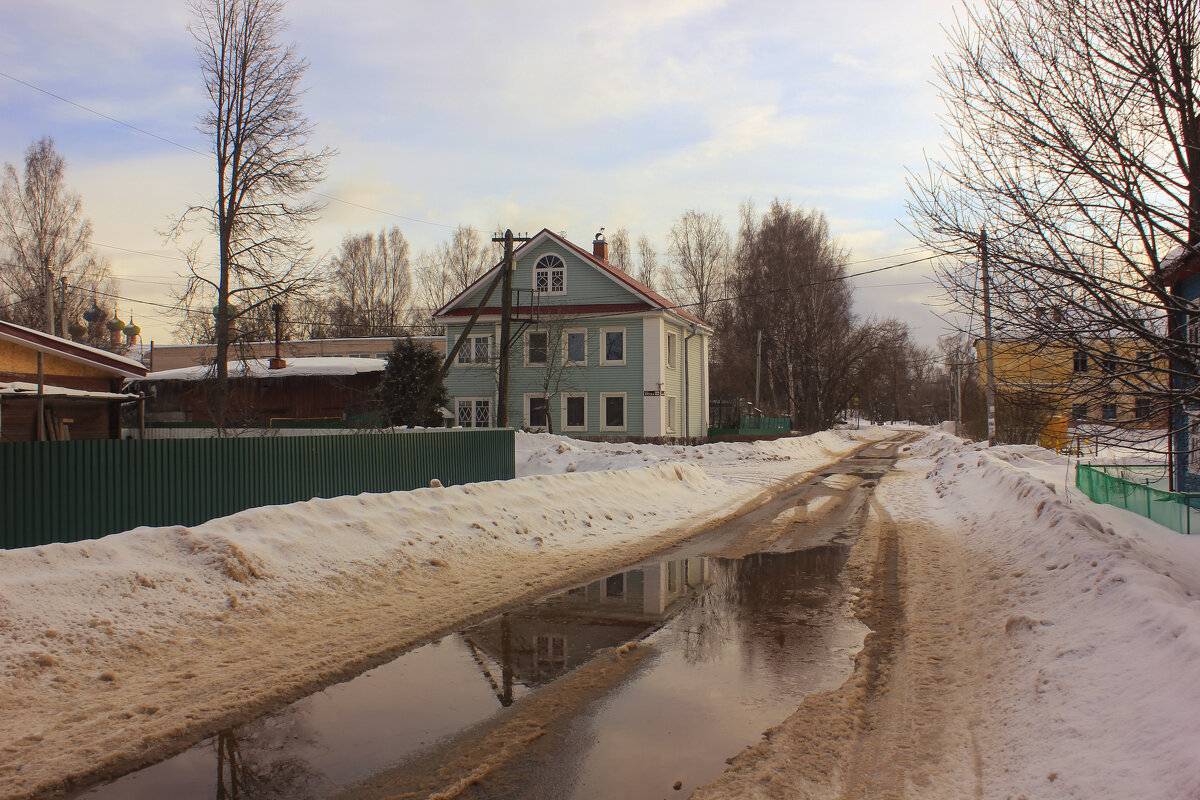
453 266
259 136
372 287
45 245
620 254
700 251
647 262
1074 133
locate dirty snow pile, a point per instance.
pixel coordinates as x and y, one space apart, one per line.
1094 689
140 641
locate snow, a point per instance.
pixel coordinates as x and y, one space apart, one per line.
142 642
1071 631
260 368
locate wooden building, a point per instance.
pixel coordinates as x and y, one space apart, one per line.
55 389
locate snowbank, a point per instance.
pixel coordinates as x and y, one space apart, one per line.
143 642
1093 694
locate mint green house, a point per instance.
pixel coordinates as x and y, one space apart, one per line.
594 353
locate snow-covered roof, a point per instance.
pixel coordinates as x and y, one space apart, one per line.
259 368
72 351
25 389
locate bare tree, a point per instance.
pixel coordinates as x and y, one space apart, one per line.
620 254
371 285
263 169
647 262
1075 142
453 266
45 246
700 251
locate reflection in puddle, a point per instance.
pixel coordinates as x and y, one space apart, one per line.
737 644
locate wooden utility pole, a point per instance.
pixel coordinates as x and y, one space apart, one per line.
987 339
505 330
757 372
49 302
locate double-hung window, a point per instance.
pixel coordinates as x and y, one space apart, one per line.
612 407
537 411
612 346
574 412
475 350
672 350
672 413
575 344
549 275
537 348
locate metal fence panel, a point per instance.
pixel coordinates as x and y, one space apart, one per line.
67 491
1132 487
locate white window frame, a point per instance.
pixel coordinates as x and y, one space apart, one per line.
604 361
565 427
672 350
566 349
550 270
473 360
604 426
672 413
529 363
528 420
474 401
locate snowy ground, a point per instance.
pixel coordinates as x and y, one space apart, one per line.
116 651
1046 647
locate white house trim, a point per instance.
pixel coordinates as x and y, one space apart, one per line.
652 376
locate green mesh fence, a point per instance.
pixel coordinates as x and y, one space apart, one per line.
1134 488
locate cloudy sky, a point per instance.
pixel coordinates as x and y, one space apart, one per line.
527 114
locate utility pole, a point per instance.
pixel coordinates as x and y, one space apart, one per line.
757 372
505 330
49 302
62 309
987 339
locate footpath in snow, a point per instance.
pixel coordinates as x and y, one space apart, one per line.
119 651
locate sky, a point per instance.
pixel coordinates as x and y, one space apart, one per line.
522 114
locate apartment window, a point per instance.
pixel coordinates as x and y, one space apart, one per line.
576 345
537 411
1079 411
474 412
574 412
537 345
1080 361
475 350
1108 411
672 350
612 346
672 414
1108 363
613 408
549 275
1141 408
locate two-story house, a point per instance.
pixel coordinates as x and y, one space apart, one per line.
594 353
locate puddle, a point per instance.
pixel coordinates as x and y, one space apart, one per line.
733 647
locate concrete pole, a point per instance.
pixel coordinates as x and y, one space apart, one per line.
506 331
987 339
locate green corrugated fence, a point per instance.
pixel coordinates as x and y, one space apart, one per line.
1130 487
765 423
67 491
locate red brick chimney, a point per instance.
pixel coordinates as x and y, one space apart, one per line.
600 247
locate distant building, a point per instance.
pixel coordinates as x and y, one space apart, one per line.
173 356
306 392
77 396
595 353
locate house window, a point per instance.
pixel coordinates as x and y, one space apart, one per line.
1141 408
574 412
1108 411
614 586
1079 411
613 408
576 345
1080 361
672 414
537 345
612 346
537 411
475 350
1108 363
549 275
672 349
474 412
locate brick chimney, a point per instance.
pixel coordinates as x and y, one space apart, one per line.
600 247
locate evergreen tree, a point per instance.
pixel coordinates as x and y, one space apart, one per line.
411 368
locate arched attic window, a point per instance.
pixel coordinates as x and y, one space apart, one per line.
549 275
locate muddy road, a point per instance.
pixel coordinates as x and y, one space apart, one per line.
643 683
